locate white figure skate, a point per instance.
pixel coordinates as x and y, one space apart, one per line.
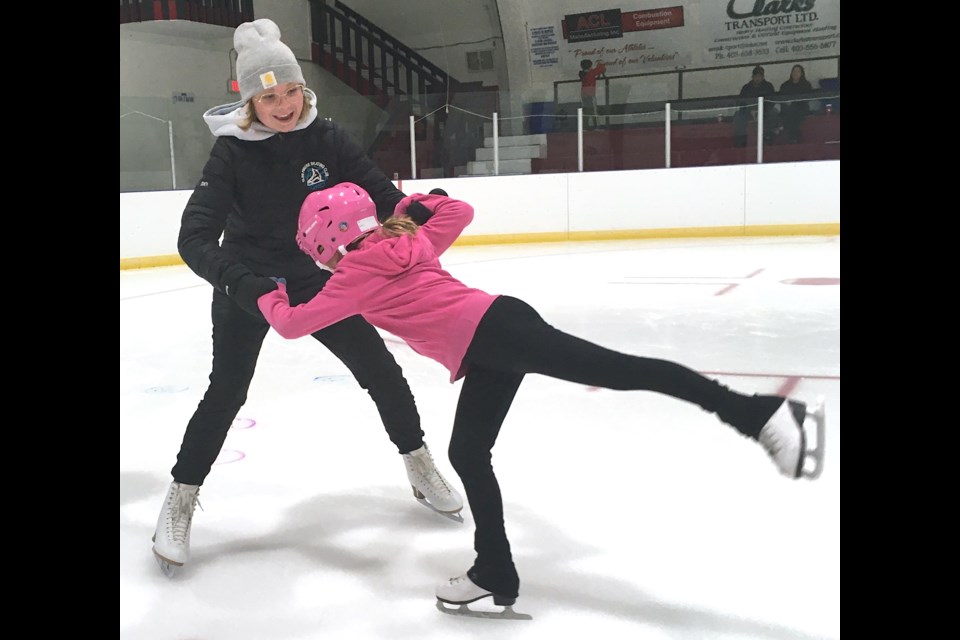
430 488
786 439
461 591
172 537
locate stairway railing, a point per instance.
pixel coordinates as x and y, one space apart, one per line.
438 75
369 60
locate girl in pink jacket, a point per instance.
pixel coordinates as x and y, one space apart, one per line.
391 275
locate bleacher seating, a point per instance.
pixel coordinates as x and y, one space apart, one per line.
691 145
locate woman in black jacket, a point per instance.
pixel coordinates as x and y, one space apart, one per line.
793 111
271 150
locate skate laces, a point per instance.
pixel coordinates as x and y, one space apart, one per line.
185 501
771 441
778 434
774 443
426 469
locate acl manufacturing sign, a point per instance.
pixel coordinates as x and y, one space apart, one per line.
613 23
596 25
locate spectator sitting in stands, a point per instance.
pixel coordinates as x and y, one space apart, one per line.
792 110
749 93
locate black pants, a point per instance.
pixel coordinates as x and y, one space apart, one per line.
745 117
237 337
513 340
793 115
591 117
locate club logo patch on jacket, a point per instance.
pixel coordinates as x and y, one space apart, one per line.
315 175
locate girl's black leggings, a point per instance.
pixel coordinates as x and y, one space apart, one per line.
513 340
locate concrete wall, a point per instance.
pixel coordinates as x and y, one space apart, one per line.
774 199
172 72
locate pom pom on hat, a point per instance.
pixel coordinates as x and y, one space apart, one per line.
262 60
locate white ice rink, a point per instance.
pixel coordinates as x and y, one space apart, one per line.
631 515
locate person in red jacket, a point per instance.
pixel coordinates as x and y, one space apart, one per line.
390 273
588 89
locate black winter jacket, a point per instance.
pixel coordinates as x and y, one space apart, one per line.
251 192
790 88
750 92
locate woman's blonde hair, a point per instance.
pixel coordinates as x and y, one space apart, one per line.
394 227
250 113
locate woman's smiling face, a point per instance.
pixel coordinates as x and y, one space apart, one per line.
280 107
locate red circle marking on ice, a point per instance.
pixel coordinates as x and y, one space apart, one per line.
229 455
812 281
243 423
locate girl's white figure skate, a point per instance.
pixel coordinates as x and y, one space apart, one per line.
429 486
461 591
788 443
172 537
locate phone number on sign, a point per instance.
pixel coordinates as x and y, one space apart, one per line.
800 48
741 54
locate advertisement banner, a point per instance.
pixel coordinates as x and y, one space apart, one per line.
596 25
735 31
688 34
665 18
647 39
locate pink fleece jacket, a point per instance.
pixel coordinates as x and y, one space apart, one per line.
397 284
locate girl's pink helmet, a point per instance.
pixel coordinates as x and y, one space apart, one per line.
334 218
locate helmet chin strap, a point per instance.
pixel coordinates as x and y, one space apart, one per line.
341 251
353 245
